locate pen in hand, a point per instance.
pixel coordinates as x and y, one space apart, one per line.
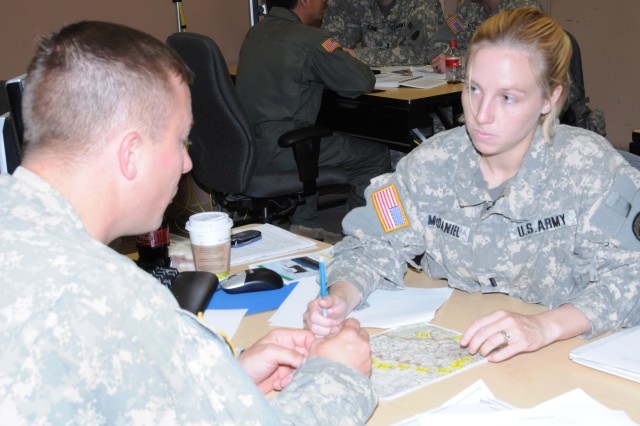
323 284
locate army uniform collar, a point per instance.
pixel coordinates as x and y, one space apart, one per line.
517 200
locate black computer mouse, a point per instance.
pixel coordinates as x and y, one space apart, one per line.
257 279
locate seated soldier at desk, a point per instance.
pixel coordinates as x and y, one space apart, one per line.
285 64
385 32
512 202
87 337
461 26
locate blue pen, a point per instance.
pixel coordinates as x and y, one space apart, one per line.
323 284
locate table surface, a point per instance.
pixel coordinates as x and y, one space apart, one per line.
401 93
412 94
523 381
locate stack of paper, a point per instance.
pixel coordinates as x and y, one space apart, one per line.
617 354
274 242
421 77
416 81
476 405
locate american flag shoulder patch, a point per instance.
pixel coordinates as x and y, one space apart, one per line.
330 45
454 24
389 209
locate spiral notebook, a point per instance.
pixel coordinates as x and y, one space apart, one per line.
416 81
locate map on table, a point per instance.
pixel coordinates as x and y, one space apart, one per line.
408 357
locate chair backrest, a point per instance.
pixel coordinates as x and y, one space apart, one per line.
10 149
577 112
223 143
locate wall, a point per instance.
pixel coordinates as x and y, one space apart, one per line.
609 45
226 21
608 40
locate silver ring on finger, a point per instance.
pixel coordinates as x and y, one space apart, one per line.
506 337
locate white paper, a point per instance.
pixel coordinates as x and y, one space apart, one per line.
225 320
427 71
386 309
292 271
618 354
274 242
417 80
476 398
290 312
422 77
389 309
572 408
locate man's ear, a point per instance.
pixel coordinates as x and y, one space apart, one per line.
129 154
303 3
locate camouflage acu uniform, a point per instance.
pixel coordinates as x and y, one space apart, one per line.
89 338
564 229
333 21
468 17
403 37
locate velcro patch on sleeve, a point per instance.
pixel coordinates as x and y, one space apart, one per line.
330 45
389 209
454 24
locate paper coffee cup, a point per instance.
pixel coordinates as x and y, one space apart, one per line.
210 235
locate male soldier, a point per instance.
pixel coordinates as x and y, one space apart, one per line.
464 23
87 337
388 32
285 64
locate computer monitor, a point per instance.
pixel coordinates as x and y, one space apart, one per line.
9 150
256 9
15 88
12 127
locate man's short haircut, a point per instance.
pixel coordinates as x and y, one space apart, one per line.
287 4
92 79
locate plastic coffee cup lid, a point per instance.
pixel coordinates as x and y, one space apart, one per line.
207 221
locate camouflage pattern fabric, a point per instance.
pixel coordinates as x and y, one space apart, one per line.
402 37
89 338
468 17
596 122
564 229
333 20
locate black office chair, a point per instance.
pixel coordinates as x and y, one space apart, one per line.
10 105
223 143
577 113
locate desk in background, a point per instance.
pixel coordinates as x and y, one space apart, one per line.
523 381
388 116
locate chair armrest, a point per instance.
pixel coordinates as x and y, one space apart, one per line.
306 151
308 133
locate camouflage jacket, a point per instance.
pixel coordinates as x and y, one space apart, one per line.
403 37
468 17
89 338
564 229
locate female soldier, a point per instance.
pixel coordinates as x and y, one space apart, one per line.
512 202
